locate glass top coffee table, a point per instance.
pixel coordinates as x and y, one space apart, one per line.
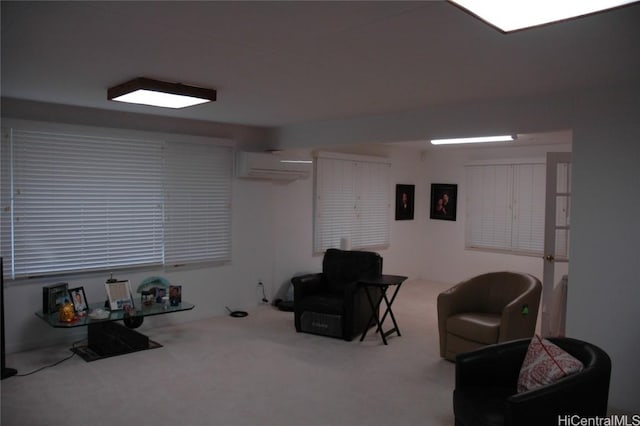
106 336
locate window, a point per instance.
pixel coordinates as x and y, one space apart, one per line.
352 202
505 207
82 201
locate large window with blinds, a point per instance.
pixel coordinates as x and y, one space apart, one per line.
352 202
79 201
505 207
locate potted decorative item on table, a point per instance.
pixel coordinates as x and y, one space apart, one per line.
153 290
67 312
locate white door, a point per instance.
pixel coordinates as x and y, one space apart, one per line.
556 243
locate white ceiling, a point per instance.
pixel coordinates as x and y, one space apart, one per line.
280 63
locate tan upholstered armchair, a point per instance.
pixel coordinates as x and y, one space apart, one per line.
487 309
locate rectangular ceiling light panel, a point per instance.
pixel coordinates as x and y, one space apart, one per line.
146 91
512 15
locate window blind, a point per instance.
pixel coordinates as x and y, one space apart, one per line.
84 203
351 201
505 207
488 207
198 204
528 210
81 202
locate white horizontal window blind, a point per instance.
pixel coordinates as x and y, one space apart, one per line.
84 203
505 207
352 202
198 211
528 210
81 202
488 207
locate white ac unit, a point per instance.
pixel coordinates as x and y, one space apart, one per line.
259 165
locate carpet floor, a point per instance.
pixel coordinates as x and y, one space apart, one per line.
246 371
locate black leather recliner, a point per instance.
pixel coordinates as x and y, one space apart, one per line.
331 303
486 381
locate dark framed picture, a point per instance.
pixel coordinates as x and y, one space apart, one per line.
53 297
444 200
79 300
175 295
405 195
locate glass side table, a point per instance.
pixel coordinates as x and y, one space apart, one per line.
106 336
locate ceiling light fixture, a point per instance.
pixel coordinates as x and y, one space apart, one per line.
147 91
479 139
297 161
510 15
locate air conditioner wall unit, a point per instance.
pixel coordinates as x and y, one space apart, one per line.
259 165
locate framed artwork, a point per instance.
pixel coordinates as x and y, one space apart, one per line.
444 200
119 295
405 195
79 299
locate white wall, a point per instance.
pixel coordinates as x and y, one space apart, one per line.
604 277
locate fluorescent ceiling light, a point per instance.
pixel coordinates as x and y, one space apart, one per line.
146 91
480 139
297 161
512 15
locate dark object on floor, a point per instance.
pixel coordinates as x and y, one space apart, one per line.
284 305
486 387
332 303
236 314
487 309
107 339
6 371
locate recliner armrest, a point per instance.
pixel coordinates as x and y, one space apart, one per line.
304 285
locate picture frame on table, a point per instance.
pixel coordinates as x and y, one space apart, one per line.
175 295
53 297
79 299
119 295
444 201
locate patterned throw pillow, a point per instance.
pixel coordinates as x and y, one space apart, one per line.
544 364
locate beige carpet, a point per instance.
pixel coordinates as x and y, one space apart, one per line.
246 371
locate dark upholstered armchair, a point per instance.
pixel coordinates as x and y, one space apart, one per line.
487 309
332 303
486 382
